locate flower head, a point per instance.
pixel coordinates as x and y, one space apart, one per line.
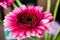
25 21
54 27
6 3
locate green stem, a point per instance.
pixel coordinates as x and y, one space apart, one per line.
18 2
55 13
48 5
56 34
56 9
46 35
14 5
48 9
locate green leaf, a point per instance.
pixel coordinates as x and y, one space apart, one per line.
35 38
58 38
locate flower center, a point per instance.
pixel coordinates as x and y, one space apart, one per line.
27 18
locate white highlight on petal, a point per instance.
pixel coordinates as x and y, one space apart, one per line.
43 21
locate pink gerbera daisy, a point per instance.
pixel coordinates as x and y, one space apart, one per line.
25 21
6 3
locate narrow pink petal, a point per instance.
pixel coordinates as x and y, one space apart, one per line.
5 6
43 21
23 7
38 8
